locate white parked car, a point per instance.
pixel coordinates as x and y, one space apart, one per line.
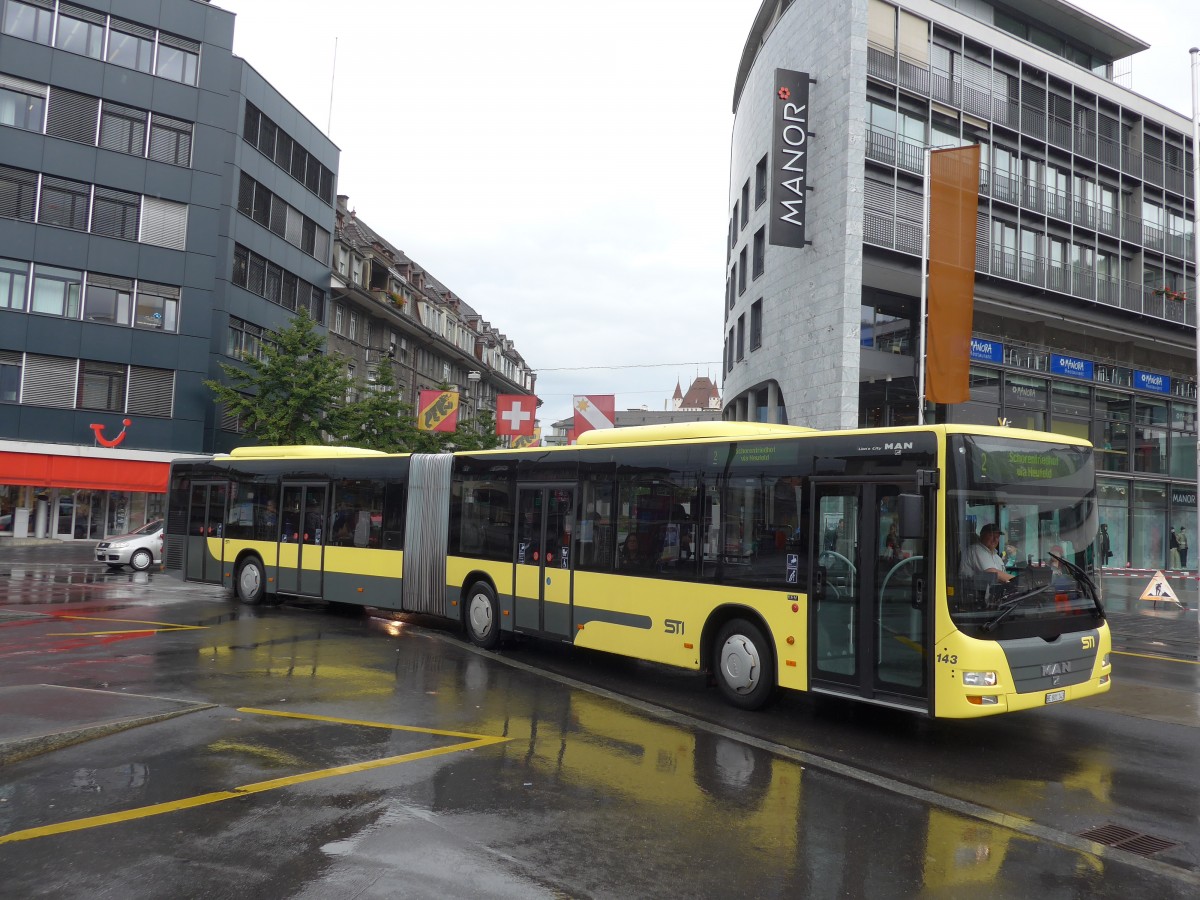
138 550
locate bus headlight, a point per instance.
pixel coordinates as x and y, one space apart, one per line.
979 679
1104 661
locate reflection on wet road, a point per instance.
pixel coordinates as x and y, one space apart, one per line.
492 778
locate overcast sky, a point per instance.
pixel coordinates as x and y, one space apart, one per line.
563 165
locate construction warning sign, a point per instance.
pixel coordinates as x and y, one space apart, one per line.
1158 589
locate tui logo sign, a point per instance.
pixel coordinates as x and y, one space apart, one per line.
98 430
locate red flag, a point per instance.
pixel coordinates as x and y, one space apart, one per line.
595 411
953 202
437 411
515 415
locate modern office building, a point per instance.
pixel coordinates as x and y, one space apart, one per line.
158 199
1085 287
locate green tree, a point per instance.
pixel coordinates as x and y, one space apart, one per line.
380 420
294 394
481 436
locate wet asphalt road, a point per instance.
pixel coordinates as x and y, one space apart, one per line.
349 757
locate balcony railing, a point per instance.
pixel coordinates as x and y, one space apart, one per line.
1083 282
980 100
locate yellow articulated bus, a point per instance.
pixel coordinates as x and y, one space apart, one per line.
944 569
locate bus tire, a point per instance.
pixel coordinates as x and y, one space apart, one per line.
250 583
483 616
744 665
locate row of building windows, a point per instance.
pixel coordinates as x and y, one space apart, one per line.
260 276
278 146
735 343
1131 432
740 220
89 120
991 85
736 285
245 340
80 206
89 32
36 380
1051 188
94 297
1095 270
272 212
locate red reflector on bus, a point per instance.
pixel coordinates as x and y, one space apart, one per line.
790 662
688 645
360 590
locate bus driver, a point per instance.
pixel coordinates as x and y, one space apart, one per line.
983 557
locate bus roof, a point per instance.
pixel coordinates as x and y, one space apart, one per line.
685 431
300 451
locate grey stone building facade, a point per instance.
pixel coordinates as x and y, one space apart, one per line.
1085 288
385 309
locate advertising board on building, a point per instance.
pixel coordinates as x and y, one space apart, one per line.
789 159
1151 381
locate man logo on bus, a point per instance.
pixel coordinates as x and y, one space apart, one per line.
897 445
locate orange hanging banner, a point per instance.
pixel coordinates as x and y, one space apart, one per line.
953 206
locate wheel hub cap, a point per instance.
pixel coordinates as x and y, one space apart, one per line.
481 616
249 581
740 664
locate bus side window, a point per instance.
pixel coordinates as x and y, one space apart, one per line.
393 516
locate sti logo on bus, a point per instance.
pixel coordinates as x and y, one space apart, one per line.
674 626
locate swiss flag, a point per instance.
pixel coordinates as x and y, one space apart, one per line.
515 415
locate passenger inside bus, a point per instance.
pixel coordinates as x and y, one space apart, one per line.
633 554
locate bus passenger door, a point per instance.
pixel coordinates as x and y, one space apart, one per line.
302 535
868 595
542 566
205 546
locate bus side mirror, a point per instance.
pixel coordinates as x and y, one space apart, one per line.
910 514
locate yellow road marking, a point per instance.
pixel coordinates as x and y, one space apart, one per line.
1174 659
474 741
165 626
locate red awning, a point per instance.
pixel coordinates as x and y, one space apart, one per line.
87 472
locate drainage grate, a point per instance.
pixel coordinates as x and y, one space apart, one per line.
1127 839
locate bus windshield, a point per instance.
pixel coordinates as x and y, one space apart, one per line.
1022 525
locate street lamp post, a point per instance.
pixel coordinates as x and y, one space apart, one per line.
476 381
1195 51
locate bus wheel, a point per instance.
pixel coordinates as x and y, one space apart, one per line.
483 616
744 665
251 581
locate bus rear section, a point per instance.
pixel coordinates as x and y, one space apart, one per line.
314 522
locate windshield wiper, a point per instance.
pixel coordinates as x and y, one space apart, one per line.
1012 603
1082 576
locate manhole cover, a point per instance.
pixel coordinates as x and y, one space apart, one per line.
1127 839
